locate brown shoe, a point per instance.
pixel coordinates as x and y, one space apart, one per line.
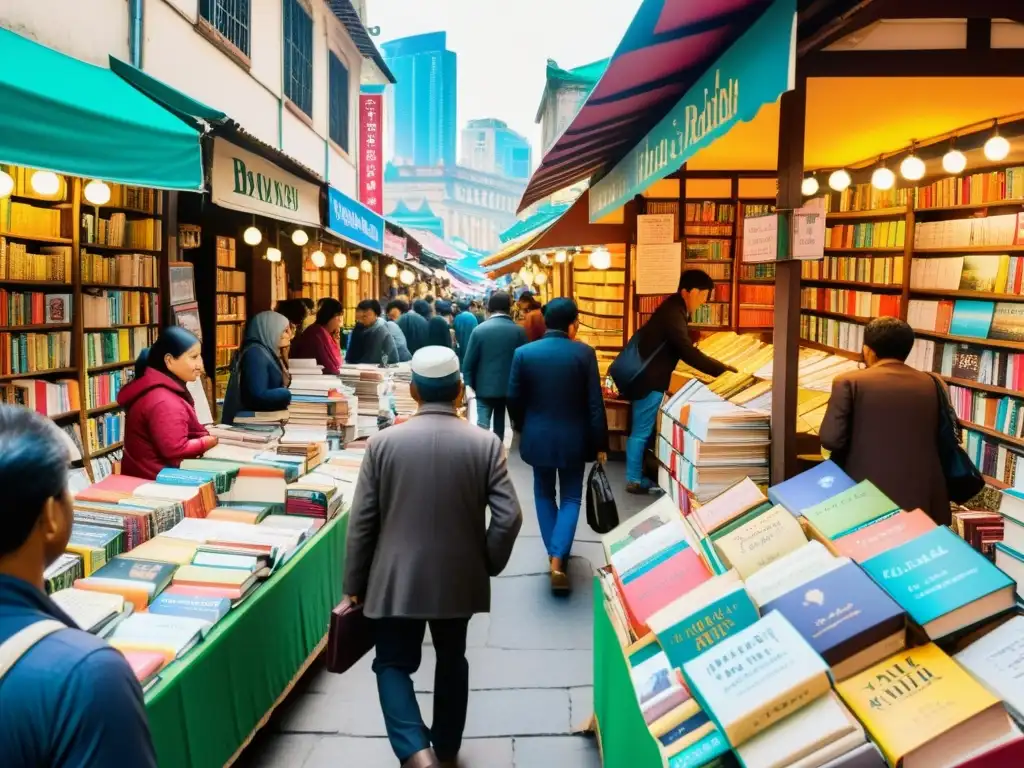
425 758
559 578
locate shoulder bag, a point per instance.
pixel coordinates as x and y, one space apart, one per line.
21 642
963 480
627 369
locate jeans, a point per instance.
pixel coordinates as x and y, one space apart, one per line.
645 413
486 407
558 521
399 648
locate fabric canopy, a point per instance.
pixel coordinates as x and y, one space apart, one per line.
667 47
177 102
65 115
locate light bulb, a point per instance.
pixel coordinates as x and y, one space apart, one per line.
406 277
600 259
6 184
97 192
912 168
391 270
996 148
318 258
839 180
366 266
45 183
544 259
352 273
526 275
883 178
273 254
954 161
299 237
560 257
340 260
809 186
540 278
252 236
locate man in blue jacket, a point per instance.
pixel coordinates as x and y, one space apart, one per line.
488 361
554 397
464 325
68 699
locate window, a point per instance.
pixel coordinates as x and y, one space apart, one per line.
338 127
230 18
298 56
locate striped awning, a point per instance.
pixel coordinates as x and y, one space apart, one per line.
667 47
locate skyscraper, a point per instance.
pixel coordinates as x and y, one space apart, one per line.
489 145
421 105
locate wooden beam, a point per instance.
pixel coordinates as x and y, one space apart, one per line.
950 63
979 34
862 14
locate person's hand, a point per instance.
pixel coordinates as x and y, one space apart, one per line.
602 457
352 599
208 442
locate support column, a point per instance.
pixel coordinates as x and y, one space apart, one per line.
787 289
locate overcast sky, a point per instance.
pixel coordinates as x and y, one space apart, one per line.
503 46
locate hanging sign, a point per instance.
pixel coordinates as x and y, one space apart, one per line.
244 181
809 230
395 246
353 221
657 267
371 148
760 238
655 228
758 68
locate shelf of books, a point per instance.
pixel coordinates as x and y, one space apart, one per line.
231 310
709 237
755 283
78 302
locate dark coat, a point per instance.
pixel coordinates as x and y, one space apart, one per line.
488 360
415 328
419 541
668 325
161 426
368 345
257 383
882 425
554 398
439 333
464 325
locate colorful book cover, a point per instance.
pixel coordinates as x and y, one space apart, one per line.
812 487
935 574
656 587
972 318
689 638
211 609
761 541
1007 322
873 539
850 509
979 273
703 754
153 576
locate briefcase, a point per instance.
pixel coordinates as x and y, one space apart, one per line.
349 638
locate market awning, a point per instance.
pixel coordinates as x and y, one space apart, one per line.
436 245
545 215
667 47
68 116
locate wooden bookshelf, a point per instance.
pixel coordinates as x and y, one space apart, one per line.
881 287
993 433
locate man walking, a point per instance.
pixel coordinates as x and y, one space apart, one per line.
488 361
412 324
464 324
421 552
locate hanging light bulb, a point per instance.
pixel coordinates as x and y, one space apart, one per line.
340 260
809 186
839 180
407 277
318 258
45 183
252 236
997 148
6 184
560 257
97 192
540 278
352 273
299 237
273 254
600 258
366 265
912 167
883 178
954 161
544 259
391 270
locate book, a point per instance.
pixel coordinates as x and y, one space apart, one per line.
63 572
972 318
90 610
997 662
761 541
810 488
659 688
924 710
95 544
211 609
137 580
728 505
942 583
1011 562
789 571
848 619
752 679
235 583
164 549
145 664
883 534
849 510
657 582
173 636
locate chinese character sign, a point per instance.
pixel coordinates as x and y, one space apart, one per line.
371 151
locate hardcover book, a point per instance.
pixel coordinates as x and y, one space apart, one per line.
809 488
650 588
997 661
761 541
885 534
972 318
849 510
211 609
790 571
728 505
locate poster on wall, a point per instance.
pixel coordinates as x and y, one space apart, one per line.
187 316
182 285
655 228
657 267
371 149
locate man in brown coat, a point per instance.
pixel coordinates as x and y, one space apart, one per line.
420 551
882 423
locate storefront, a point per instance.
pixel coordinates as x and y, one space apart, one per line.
360 233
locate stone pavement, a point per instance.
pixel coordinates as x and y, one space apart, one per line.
530 670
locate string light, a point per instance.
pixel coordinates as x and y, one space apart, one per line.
809 186
45 183
252 236
407 277
366 265
600 258
97 192
273 255
299 237
340 260
6 184
318 258
391 270
560 257
352 273
839 180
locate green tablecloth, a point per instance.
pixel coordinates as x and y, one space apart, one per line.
625 739
208 704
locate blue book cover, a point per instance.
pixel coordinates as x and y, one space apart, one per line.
935 574
689 638
811 487
653 562
972 318
702 753
158 575
94 535
840 613
211 609
689 725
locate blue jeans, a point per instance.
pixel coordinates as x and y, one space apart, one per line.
485 408
558 521
645 413
399 648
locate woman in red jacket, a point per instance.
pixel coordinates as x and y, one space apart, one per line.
162 428
319 340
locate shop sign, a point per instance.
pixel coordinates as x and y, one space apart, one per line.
758 68
353 221
371 148
395 246
243 181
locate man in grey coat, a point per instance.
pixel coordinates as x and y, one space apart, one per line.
371 341
421 551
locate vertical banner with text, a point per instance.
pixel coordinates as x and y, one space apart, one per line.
371 148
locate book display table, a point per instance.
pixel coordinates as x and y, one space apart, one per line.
207 706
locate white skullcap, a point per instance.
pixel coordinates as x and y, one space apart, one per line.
435 363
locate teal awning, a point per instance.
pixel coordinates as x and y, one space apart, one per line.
65 115
182 105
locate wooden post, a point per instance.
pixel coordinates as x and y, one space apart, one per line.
170 253
787 289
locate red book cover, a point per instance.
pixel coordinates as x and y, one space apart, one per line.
878 537
111 488
1008 755
144 664
648 593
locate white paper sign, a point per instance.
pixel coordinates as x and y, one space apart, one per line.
657 267
760 238
809 230
655 229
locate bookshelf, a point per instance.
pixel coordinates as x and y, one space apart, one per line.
230 297
79 299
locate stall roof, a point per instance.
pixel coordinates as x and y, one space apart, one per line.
69 116
544 215
436 245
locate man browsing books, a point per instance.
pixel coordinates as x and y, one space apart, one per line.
67 698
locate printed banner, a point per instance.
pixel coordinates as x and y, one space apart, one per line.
353 221
371 151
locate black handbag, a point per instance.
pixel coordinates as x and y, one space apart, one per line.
602 512
963 480
629 366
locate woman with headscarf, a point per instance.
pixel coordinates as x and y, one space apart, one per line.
259 378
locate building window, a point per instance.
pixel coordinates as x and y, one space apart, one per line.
230 18
338 76
298 56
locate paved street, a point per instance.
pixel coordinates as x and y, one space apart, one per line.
530 674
